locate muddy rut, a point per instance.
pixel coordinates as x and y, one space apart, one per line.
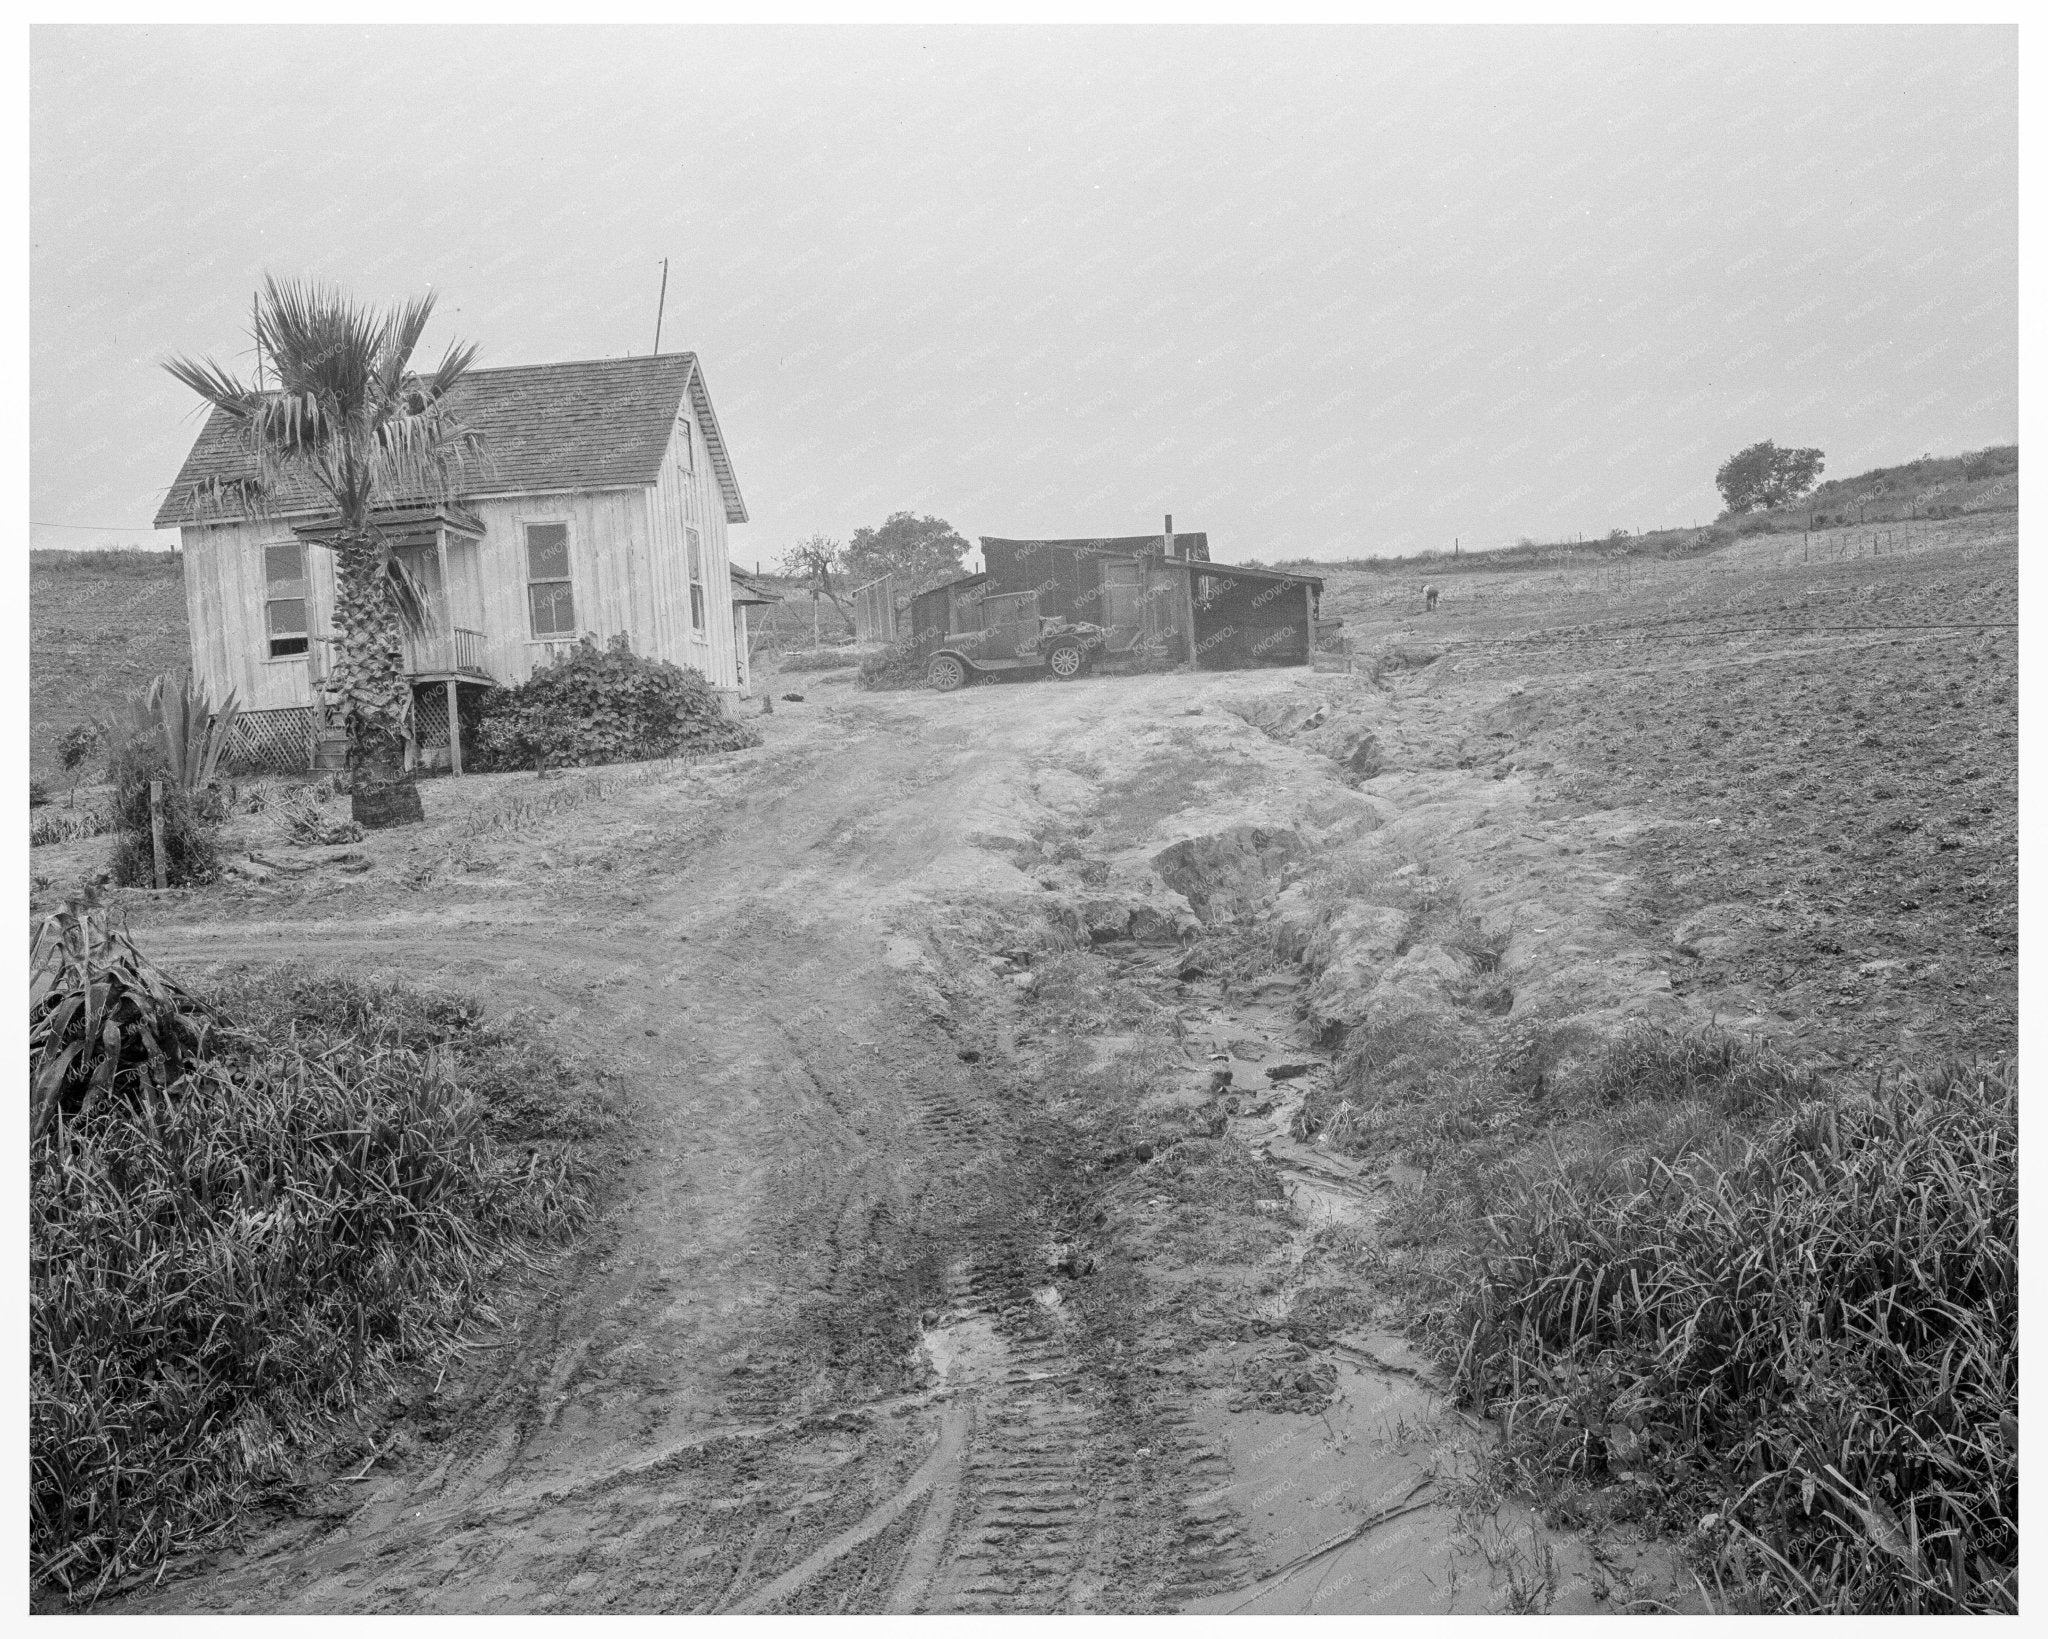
891 1311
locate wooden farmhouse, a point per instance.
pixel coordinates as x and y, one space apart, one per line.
601 508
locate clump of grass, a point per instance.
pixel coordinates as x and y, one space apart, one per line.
1235 951
52 825
830 659
1809 1335
248 1218
308 824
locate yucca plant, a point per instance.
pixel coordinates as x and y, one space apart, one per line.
102 1019
175 711
353 420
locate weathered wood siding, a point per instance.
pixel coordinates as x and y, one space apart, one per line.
687 497
224 597
628 566
608 573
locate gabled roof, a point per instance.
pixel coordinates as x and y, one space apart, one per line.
596 424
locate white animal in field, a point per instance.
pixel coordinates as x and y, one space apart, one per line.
1429 597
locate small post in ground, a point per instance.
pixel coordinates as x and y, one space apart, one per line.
454 728
156 831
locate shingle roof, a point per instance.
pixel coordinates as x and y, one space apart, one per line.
596 424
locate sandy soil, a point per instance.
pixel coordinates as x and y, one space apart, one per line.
972 1257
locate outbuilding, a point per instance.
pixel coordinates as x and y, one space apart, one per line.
1158 601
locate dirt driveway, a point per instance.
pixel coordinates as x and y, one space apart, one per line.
940 1280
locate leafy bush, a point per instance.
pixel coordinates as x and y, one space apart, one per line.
170 732
272 1208
190 852
894 667
38 794
604 705
75 749
1806 1341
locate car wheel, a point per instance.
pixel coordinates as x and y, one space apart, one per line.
1066 661
946 673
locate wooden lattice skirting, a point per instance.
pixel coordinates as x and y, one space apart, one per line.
271 742
430 714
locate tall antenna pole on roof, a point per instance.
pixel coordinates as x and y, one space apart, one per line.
662 304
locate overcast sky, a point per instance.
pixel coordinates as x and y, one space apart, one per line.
1319 293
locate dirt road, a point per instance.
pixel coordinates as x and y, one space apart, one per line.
944 1278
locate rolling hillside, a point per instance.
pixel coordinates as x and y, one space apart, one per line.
100 625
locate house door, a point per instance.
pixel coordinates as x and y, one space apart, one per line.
1123 592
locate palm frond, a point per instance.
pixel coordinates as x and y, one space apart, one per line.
212 382
408 596
454 365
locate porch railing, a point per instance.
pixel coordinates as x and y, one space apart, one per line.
455 649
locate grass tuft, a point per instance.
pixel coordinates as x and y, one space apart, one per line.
1803 1343
267 1208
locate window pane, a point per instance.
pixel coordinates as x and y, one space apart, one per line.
280 647
547 551
696 555
284 568
286 615
554 611
697 606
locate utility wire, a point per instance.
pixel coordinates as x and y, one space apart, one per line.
117 529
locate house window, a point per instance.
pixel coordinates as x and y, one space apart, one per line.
548 596
284 599
696 579
686 444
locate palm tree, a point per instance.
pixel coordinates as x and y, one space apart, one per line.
350 418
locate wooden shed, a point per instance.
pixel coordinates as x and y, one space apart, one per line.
603 509
1160 599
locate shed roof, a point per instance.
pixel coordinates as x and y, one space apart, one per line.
750 590
1241 571
593 424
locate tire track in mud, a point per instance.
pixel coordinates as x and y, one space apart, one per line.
1026 1481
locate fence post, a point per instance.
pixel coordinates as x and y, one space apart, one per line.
454 728
156 831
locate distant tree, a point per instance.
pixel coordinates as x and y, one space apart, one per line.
819 563
1765 476
919 552
75 749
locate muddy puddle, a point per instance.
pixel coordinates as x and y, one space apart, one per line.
1345 1480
